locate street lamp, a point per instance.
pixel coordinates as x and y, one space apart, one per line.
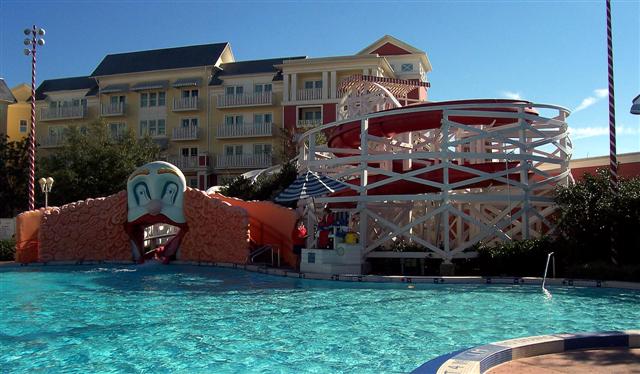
36 39
45 185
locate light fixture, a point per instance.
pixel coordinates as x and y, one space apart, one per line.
40 41
27 51
27 31
41 32
27 41
45 185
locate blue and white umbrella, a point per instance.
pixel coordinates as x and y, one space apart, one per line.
310 184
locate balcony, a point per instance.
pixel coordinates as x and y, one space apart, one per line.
308 123
228 101
112 109
245 161
309 94
51 141
245 130
184 104
190 163
68 112
186 133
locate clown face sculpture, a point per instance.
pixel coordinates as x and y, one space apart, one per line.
155 194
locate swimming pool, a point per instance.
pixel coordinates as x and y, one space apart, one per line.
178 318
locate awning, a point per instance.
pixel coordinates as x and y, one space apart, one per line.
112 88
187 82
398 87
150 85
310 184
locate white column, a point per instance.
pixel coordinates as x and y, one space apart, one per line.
333 88
365 71
294 87
285 88
325 88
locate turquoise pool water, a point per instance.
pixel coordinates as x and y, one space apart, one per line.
162 319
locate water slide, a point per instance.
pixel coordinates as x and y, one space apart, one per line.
392 124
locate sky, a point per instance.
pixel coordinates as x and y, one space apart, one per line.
550 52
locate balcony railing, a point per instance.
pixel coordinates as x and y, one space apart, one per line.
186 103
244 161
309 94
245 130
69 112
51 141
112 109
186 133
199 162
307 123
263 98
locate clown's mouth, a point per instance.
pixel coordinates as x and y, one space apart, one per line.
155 236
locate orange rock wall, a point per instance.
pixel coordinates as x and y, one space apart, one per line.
90 230
27 230
218 232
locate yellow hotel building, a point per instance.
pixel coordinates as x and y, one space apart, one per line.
212 116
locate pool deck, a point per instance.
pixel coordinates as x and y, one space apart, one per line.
595 361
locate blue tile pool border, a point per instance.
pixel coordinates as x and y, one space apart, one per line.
480 359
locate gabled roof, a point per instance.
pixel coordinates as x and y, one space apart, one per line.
5 93
66 84
250 67
160 59
390 46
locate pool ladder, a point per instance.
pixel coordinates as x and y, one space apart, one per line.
544 278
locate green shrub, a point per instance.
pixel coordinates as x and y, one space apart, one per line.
7 250
266 186
603 270
515 258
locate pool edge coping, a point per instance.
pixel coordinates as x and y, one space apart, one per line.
482 358
532 281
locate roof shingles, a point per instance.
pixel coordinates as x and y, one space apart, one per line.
67 84
160 59
250 67
5 93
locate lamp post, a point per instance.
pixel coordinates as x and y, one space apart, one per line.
45 185
35 40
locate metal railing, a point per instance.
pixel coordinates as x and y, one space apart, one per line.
70 112
309 94
309 123
244 161
186 103
51 141
245 130
112 109
189 162
262 98
275 251
186 133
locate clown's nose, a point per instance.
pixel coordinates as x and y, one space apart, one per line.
154 207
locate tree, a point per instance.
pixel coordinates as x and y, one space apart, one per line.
14 176
266 186
91 163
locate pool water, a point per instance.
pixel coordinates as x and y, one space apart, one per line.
154 318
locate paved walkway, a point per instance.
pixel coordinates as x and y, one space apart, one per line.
597 361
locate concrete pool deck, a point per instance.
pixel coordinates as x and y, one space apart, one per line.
595 361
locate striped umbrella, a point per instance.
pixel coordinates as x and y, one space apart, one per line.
310 184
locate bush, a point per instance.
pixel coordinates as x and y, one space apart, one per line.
515 258
266 186
7 250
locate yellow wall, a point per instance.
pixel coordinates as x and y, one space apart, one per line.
19 111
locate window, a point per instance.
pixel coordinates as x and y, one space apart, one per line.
116 130
143 128
144 100
57 131
407 67
161 98
262 87
152 127
186 94
186 122
262 149
312 84
263 118
152 99
115 100
23 125
161 127
234 90
189 152
233 120
310 115
233 150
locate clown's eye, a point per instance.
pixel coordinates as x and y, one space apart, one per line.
142 194
169 193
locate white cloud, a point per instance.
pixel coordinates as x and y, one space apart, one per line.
511 95
592 131
598 95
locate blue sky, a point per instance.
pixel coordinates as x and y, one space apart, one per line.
543 51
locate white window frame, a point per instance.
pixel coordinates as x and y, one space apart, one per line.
406 68
235 90
24 126
263 87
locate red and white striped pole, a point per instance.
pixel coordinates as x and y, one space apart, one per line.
32 133
613 158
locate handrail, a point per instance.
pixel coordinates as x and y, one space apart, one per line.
264 249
